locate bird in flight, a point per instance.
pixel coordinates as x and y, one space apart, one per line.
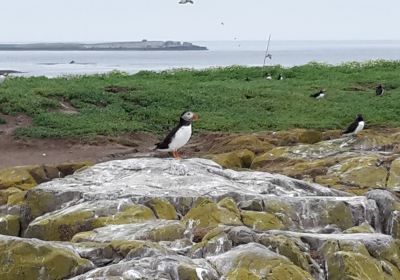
185 1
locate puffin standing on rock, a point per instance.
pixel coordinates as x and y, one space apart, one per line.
355 127
179 136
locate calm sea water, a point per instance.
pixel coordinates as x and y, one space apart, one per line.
250 53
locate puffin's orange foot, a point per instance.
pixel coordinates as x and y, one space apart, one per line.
176 155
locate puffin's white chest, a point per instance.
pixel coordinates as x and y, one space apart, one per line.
321 95
181 137
359 127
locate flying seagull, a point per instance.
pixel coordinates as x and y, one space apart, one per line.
355 127
380 90
179 136
318 95
185 1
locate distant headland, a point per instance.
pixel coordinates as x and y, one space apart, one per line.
143 45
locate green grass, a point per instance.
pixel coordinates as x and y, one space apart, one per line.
152 102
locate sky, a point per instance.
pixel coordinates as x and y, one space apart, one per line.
130 20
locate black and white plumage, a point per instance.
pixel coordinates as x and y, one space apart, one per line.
268 76
356 126
185 1
380 90
280 77
179 136
318 95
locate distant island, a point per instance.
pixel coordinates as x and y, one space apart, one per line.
143 45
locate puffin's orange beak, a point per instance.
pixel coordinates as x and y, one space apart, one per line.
195 117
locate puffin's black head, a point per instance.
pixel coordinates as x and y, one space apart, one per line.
188 117
359 118
380 86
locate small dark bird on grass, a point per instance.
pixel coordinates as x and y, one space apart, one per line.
280 77
247 79
179 136
268 76
380 90
318 95
355 127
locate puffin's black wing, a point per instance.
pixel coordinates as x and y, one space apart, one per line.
379 91
165 143
315 95
352 127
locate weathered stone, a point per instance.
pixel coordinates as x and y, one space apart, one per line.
16 198
9 225
206 213
158 230
258 260
235 159
261 221
363 228
162 208
310 136
65 223
6 193
18 177
249 142
34 259
394 177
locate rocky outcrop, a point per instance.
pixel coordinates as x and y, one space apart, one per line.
150 218
354 165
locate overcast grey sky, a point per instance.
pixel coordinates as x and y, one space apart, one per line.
116 20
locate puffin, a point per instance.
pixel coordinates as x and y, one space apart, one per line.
318 95
185 1
179 136
3 77
268 76
280 77
355 127
380 90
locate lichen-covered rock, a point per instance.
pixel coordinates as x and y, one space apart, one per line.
363 228
16 198
65 223
361 171
288 247
17 177
206 213
394 176
249 142
9 225
310 136
6 193
348 266
235 159
256 260
34 259
261 221
162 208
157 230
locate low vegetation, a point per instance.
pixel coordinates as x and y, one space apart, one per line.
227 99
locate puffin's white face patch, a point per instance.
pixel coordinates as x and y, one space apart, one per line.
188 116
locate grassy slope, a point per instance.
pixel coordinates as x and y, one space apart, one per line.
222 97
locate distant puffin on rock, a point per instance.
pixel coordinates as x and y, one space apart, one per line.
179 136
355 127
380 90
318 95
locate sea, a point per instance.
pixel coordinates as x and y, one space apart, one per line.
219 54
